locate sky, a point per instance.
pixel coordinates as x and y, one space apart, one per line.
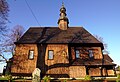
99 17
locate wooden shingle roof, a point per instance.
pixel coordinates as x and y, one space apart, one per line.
55 35
107 58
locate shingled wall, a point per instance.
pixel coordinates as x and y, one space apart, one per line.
21 63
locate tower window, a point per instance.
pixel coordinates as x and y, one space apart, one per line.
77 52
50 54
31 54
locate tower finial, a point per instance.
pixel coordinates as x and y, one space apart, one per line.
62 4
63 20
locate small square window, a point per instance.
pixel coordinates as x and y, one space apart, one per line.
31 54
77 54
50 54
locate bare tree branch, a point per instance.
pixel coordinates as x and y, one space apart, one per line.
8 45
104 44
3 58
4 9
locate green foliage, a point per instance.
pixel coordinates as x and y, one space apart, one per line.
118 76
9 77
6 78
46 78
65 81
117 80
3 78
87 77
119 68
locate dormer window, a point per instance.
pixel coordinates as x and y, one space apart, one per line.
77 54
91 53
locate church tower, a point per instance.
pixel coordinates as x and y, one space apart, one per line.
63 20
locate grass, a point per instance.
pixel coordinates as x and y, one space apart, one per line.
3 78
13 80
64 80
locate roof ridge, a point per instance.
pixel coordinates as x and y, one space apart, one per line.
55 27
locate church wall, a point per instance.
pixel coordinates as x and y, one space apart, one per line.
84 54
60 61
77 71
110 72
94 72
21 62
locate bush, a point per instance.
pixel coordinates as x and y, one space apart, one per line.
118 76
87 77
117 80
46 78
9 77
6 78
65 81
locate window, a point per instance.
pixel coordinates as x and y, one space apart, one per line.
77 54
31 54
50 54
90 53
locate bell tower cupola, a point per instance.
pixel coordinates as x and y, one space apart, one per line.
63 20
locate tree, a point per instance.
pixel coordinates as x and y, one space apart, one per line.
4 9
8 45
105 51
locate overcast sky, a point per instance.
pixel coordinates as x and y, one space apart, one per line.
99 17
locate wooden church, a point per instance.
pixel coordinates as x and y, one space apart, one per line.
61 52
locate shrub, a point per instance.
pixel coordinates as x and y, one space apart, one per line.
46 78
65 81
87 77
118 76
9 77
117 80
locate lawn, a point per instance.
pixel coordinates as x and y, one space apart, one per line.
3 78
63 80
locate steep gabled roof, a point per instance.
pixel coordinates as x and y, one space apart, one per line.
55 35
107 58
